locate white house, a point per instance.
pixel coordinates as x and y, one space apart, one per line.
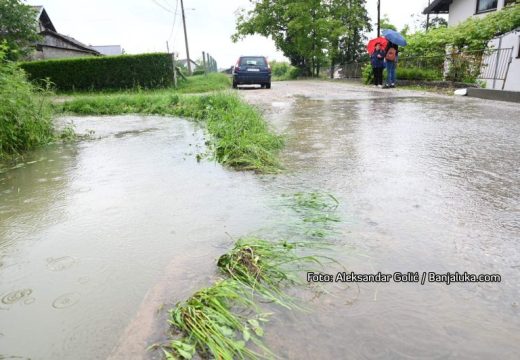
502 68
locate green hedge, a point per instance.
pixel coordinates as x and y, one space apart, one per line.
403 73
104 72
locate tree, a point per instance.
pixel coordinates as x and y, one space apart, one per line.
309 32
18 28
348 44
435 23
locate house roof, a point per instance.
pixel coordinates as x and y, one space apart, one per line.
41 15
108 49
71 41
438 7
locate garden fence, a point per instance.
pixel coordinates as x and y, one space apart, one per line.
466 66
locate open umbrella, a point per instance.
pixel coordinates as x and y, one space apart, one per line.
372 44
394 37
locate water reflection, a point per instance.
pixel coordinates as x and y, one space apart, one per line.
425 185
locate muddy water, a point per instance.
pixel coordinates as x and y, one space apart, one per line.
86 230
95 237
425 185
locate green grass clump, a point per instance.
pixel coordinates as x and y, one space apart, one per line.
268 266
240 137
209 326
25 113
219 321
202 83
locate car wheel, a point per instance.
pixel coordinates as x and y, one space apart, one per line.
268 85
235 85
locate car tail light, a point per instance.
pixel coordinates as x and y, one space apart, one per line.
267 63
237 65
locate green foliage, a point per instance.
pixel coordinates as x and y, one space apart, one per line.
17 28
218 322
367 74
201 83
418 74
472 34
240 136
105 72
210 324
405 73
311 33
25 113
284 71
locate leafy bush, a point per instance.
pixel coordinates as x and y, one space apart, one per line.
198 72
368 74
403 73
418 74
106 72
25 114
284 71
472 34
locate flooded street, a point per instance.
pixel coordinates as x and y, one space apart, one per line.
95 237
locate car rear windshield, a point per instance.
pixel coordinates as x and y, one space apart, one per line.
252 61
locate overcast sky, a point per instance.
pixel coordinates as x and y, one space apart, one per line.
145 25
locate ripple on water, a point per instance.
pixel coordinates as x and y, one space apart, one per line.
15 296
61 263
66 300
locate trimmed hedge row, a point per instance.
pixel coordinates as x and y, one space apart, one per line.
104 72
404 73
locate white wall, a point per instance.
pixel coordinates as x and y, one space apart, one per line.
509 40
460 10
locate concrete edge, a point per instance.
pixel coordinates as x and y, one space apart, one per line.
499 95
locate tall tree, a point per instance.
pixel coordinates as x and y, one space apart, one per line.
348 41
18 28
310 33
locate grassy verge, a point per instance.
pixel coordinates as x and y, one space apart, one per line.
192 85
240 137
25 113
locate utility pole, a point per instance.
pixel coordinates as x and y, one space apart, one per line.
428 17
378 18
204 62
186 38
173 64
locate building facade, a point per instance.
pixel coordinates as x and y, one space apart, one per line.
55 45
504 62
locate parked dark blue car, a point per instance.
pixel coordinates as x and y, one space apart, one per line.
252 70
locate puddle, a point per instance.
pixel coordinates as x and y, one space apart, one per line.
129 223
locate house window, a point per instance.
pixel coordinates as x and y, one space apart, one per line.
486 5
509 2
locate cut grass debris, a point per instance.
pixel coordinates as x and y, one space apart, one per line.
240 137
219 321
268 266
209 326
317 210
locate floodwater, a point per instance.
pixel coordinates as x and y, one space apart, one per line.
95 237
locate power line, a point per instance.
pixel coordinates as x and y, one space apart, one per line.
162 6
174 20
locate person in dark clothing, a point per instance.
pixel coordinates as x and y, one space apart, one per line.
392 53
378 63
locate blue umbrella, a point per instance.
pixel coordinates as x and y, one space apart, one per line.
394 37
